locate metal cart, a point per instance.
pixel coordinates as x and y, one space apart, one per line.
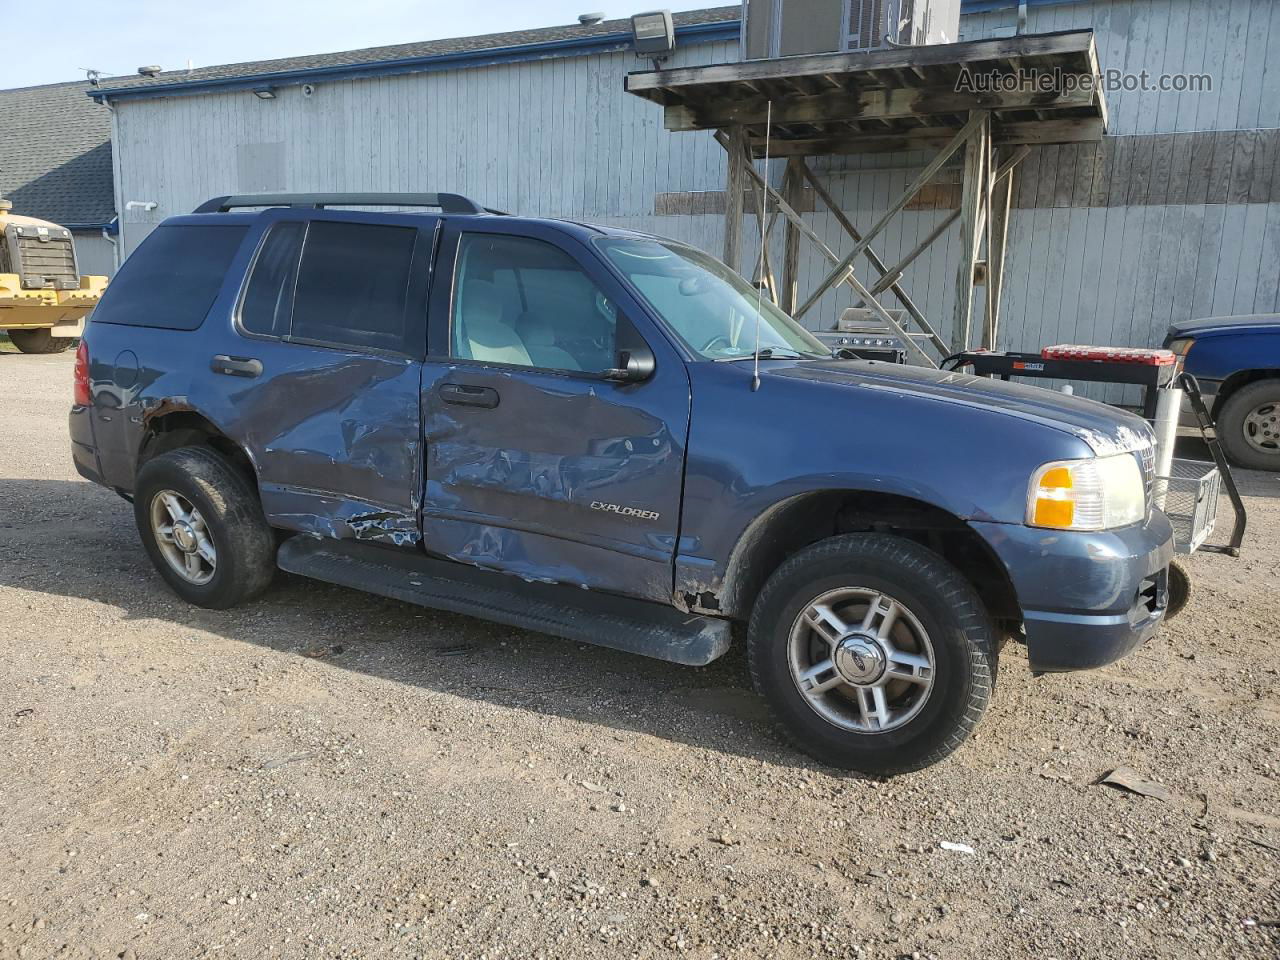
1186 490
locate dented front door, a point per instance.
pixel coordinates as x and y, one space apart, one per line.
549 474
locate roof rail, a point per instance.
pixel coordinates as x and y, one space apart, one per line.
447 202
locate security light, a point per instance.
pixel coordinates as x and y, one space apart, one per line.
654 33
264 93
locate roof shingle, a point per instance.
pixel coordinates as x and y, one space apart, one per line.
408 51
55 154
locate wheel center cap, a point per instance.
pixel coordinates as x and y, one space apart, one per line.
184 536
859 661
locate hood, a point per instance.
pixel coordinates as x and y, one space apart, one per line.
1195 328
1105 429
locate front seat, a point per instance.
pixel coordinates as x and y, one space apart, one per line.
540 341
483 327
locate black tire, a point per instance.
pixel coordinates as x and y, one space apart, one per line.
942 602
1180 589
40 341
1233 430
232 514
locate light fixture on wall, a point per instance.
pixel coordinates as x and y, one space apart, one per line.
653 35
264 93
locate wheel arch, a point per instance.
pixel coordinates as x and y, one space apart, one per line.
794 523
174 425
1239 379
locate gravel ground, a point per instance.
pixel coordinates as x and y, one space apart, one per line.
324 773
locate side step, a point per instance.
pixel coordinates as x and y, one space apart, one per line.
635 626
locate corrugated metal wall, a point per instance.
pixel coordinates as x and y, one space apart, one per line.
560 138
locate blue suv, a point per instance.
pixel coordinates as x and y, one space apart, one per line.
597 434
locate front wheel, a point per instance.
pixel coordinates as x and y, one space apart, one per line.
40 340
873 653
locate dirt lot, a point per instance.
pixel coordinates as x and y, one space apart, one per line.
324 773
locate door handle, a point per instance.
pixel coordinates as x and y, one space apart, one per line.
469 395
236 366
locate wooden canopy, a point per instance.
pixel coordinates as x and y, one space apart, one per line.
1040 88
985 100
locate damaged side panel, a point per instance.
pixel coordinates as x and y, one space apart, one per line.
335 437
567 480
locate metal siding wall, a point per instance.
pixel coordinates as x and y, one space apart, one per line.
559 137
95 255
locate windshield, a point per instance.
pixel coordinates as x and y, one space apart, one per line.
710 307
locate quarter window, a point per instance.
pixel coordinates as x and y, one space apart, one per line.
353 285
172 279
527 302
268 299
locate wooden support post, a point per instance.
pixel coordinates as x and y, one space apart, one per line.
735 144
791 192
976 120
971 216
997 246
988 193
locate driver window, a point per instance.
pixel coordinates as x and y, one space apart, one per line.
527 302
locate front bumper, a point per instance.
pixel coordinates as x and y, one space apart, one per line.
1087 599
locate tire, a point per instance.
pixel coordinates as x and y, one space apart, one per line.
931 596
1180 589
1249 425
40 341
222 509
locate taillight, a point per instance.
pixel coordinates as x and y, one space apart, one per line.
81 395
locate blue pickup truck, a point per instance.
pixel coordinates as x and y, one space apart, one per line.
599 435
1236 361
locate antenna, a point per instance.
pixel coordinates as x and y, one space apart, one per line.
764 202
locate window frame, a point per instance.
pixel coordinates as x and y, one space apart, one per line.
625 330
418 286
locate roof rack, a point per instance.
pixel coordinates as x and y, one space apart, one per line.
447 202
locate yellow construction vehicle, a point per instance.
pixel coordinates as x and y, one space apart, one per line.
43 298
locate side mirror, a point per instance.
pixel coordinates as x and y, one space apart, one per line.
634 365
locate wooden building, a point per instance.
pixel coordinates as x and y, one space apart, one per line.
1174 213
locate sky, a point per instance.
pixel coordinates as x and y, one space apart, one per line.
118 36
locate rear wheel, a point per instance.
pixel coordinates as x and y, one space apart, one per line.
40 341
203 527
1249 425
873 652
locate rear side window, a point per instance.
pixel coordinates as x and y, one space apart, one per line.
268 298
353 285
172 279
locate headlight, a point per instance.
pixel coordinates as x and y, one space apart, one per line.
1097 494
1182 346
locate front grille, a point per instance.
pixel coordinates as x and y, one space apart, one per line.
45 264
1147 457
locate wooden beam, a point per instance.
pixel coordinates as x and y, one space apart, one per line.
970 228
890 283
1076 44
735 145
795 219
997 248
844 266
1074 130
895 103
792 190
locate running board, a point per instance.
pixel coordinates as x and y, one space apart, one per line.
634 626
